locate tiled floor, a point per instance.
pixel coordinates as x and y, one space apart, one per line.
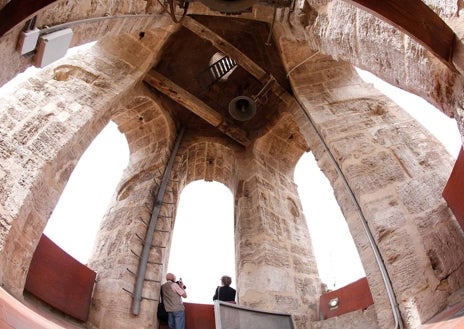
15 315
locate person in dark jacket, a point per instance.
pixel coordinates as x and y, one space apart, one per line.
225 293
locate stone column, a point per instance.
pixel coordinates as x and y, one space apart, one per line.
276 267
121 236
46 126
397 171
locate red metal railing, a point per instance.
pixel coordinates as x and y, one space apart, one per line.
453 189
355 296
60 280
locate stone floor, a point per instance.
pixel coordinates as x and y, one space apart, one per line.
451 318
16 315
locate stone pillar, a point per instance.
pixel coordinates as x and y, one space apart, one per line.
46 126
397 171
121 236
276 267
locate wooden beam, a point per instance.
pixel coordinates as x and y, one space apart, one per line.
183 97
16 11
195 105
223 45
240 58
416 19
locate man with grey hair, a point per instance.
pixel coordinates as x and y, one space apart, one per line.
173 291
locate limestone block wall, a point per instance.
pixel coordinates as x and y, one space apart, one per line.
124 226
347 33
109 18
335 28
394 167
207 158
397 172
150 134
46 125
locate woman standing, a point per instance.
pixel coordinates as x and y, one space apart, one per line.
225 293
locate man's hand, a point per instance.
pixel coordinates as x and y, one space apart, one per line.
181 284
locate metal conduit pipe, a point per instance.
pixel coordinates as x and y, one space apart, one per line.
375 248
142 268
87 21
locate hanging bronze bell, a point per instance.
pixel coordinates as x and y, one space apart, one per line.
242 108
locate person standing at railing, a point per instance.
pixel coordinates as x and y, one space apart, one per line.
173 292
225 292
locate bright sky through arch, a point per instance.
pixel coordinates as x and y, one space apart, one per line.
76 218
203 247
336 255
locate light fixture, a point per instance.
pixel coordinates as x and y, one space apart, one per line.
333 303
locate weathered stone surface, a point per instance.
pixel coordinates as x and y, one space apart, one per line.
358 319
395 169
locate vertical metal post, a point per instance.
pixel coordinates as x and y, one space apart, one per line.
137 297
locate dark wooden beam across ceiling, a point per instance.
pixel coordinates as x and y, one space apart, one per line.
195 105
227 48
241 59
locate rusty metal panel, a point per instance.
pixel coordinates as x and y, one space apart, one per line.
59 280
453 192
199 316
355 296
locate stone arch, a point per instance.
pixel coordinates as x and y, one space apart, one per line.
211 159
319 25
323 85
54 121
381 164
72 102
283 145
150 133
351 34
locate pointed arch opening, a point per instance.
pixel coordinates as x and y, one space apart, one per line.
444 128
203 247
337 258
75 221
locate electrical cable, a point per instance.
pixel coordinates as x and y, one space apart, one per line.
58 27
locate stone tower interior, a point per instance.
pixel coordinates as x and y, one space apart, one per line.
292 87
